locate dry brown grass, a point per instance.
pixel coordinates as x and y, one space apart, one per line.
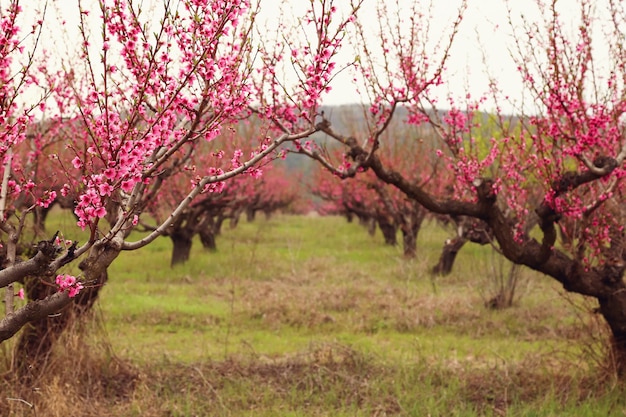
86 380
81 376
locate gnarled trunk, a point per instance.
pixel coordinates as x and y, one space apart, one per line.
181 247
448 255
613 309
411 225
234 219
38 337
219 221
409 243
468 229
207 237
371 227
250 214
389 231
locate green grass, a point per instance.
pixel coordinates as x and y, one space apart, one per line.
311 279
306 316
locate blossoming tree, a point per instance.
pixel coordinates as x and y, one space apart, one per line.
569 150
139 95
409 150
148 90
267 188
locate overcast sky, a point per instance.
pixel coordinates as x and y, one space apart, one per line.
484 32
484 19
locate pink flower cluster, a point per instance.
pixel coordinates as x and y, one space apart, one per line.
70 284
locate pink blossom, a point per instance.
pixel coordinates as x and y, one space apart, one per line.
105 189
100 212
77 163
74 290
69 283
128 185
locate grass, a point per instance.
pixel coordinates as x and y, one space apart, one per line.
306 316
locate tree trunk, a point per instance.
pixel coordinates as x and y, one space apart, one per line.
448 255
613 309
182 247
217 227
234 221
371 227
38 337
39 219
250 214
409 243
363 221
389 232
411 225
207 237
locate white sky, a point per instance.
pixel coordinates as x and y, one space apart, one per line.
484 19
482 45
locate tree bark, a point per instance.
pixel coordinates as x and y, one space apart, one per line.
613 309
37 338
219 222
448 255
411 224
389 231
409 243
236 215
371 227
207 237
182 247
250 214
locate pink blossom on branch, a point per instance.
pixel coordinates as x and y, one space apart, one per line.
128 118
70 284
298 72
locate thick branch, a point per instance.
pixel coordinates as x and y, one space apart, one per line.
34 310
417 193
47 251
544 258
602 166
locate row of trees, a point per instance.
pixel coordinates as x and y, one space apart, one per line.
121 126
377 205
270 189
139 100
556 169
